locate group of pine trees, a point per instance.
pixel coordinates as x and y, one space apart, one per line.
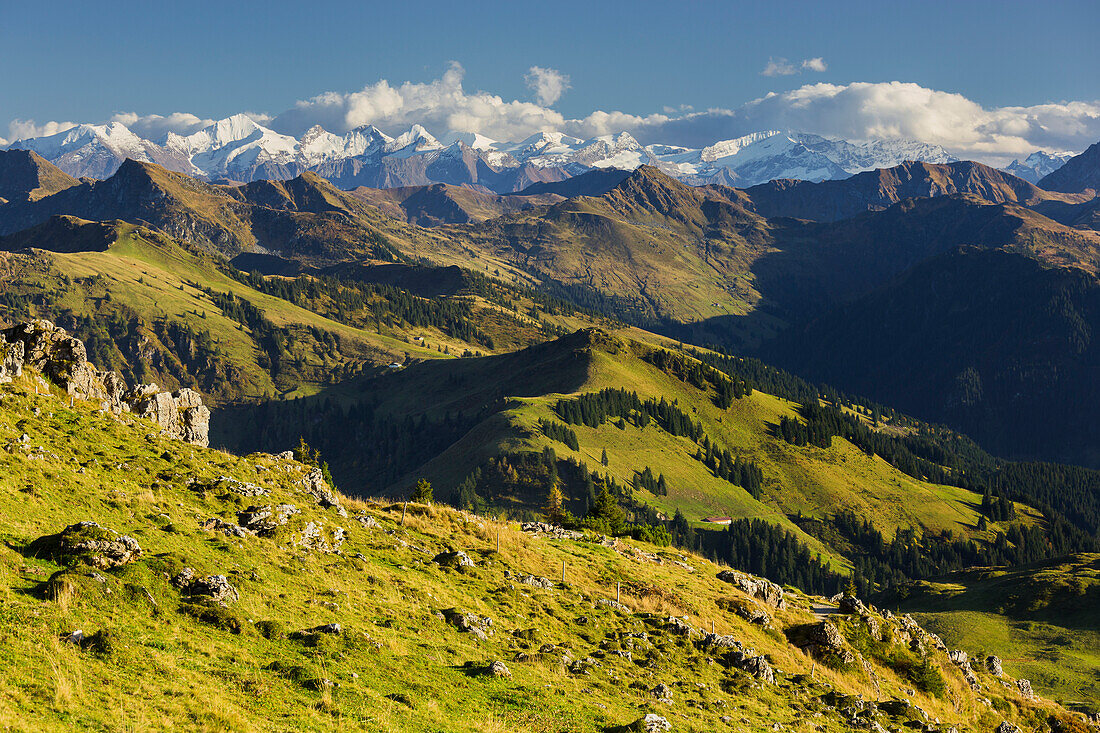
699 375
644 480
374 305
556 431
739 471
594 408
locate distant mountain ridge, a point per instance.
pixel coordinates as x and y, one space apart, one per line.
1080 173
239 149
882 188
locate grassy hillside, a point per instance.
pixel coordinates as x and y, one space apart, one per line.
1041 620
465 414
153 289
152 653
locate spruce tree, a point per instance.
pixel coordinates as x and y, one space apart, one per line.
422 492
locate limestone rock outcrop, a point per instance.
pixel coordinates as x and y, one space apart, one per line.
763 590
63 359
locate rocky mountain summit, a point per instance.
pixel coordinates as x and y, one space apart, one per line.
63 359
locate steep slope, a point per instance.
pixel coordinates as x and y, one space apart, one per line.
593 183
817 266
244 593
26 176
1003 351
1039 619
440 203
305 217
651 247
879 189
156 310
1080 173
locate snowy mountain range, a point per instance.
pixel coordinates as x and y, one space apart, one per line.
240 149
1037 165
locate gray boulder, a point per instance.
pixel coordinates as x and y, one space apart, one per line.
651 723
90 543
456 560
214 588
993 664
498 669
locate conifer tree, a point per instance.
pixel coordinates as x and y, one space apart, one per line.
422 492
553 512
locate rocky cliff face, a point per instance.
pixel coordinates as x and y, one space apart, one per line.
63 359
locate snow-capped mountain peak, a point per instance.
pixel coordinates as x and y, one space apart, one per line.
415 140
728 148
240 148
1038 165
470 139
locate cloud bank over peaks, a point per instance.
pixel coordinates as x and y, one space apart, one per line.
22 129
156 127
855 111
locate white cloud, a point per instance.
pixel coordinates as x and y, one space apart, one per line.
782 67
863 110
157 127
260 118
3 142
778 67
442 105
23 129
547 84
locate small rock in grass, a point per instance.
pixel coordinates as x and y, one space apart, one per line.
498 669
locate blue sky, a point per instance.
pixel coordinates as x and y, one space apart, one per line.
85 62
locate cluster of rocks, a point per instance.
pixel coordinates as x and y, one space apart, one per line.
467 623
758 588
87 542
542 529
315 485
265 520
212 588
314 538
225 484
736 655
535 581
649 723
959 658
63 359
824 641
